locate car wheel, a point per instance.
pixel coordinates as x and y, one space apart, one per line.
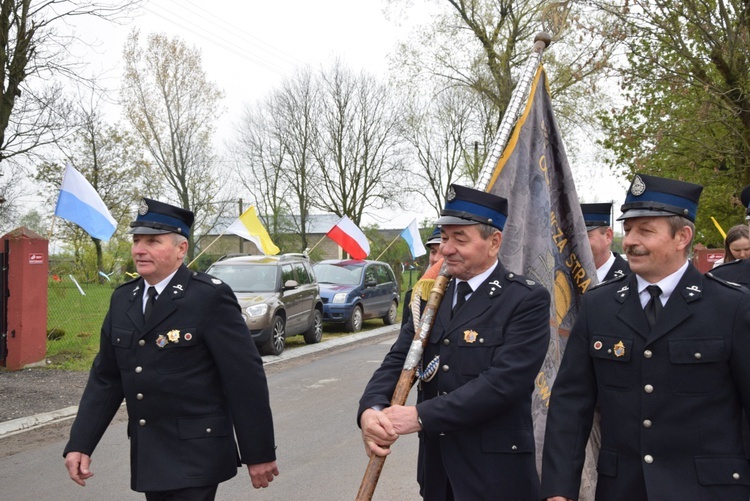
315 333
354 324
390 317
276 342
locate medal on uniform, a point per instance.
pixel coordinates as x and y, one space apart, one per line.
619 349
597 345
173 336
470 336
161 341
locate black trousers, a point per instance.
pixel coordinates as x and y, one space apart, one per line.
207 493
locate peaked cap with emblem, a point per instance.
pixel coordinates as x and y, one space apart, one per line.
596 215
465 206
156 218
658 196
435 238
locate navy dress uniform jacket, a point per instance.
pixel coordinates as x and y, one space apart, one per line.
476 411
187 397
737 271
670 397
619 268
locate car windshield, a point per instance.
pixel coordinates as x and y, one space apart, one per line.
338 274
247 278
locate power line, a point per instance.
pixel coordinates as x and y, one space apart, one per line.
218 41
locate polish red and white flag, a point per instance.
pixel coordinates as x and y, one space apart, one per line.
350 238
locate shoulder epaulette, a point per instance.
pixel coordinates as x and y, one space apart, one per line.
521 279
128 282
206 278
727 283
610 281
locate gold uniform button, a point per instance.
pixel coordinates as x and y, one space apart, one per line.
139 396
481 340
697 356
446 342
647 423
648 458
208 430
446 368
648 388
142 342
514 447
142 422
736 476
648 354
138 369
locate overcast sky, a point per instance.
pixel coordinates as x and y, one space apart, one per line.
248 47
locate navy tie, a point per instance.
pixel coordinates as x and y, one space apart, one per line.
653 307
463 290
151 293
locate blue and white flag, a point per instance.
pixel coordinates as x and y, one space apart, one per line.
81 204
414 240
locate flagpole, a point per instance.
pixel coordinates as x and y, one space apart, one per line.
388 247
204 250
316 244
51 228
516 104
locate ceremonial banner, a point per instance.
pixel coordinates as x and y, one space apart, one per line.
545 238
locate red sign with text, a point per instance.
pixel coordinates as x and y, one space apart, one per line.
36 258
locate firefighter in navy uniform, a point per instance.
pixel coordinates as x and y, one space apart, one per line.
174 345
487 344
608 264
663 353
737 271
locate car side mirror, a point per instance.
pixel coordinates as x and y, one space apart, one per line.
290 284
371 283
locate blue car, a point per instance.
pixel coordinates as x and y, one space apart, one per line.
355 290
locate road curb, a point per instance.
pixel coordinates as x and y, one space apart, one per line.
23 424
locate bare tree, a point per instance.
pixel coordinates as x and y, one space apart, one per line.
358 155
35 56
442 130
262 160
173 108
296 104
481 45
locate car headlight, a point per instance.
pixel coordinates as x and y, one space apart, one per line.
257 310
340 297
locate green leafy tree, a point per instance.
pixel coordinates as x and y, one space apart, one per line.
686 107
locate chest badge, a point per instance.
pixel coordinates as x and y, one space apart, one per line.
619 349
470 336
597 345
172 336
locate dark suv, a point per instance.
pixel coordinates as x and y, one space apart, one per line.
353 290
279 297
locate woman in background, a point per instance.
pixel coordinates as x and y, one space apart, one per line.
736 245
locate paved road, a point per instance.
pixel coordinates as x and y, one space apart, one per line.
320 453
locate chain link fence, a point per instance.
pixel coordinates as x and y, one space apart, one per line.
75 312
